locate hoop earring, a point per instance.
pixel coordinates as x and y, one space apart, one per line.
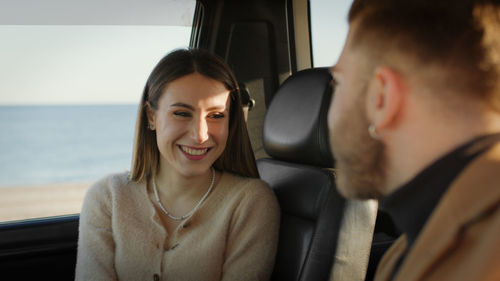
373 132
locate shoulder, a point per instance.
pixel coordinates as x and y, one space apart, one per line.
110 183
248 193
250 187
390 258
241 180
107 187
483 230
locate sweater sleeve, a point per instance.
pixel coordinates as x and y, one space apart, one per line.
95 258
253 237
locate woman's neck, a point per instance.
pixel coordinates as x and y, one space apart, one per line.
172 184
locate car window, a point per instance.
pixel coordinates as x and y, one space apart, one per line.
72 74
328 30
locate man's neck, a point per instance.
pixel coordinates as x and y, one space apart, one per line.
413 150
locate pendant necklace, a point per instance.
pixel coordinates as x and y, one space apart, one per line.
195 207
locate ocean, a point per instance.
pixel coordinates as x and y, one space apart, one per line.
64 143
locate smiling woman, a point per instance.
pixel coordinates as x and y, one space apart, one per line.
193 195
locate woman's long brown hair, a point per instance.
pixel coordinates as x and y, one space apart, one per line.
238 155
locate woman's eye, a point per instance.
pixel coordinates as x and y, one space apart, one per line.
182 114
217 115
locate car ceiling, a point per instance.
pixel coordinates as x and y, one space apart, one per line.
96 12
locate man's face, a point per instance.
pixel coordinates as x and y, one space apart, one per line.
359 170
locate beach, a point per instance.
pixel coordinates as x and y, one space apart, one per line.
37 201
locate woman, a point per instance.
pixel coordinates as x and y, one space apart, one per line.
192 207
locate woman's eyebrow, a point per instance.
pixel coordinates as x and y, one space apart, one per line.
182 105
217 107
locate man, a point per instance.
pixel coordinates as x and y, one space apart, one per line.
415 122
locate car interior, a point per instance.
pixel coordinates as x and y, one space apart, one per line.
322 235
316 224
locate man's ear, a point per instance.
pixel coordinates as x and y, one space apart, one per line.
386 97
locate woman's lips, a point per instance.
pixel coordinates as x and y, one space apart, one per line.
194 153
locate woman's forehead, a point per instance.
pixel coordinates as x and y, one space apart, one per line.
195 92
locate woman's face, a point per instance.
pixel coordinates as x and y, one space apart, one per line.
191 123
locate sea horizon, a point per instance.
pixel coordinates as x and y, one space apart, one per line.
57 143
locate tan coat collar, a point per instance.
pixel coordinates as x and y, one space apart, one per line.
472 195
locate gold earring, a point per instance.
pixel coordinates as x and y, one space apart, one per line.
151 126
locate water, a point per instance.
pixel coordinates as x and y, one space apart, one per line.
57 144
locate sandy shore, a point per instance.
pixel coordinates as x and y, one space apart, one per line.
24 202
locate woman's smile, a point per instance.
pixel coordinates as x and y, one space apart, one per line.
194 153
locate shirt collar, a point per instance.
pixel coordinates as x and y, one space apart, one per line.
411 205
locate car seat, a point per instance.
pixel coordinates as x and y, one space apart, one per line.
322 235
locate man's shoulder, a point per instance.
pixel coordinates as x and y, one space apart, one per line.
473 254
462 232
476 253
476 190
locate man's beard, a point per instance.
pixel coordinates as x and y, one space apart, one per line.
359 165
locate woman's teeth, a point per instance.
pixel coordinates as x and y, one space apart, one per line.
193 151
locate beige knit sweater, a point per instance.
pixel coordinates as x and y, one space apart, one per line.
232 236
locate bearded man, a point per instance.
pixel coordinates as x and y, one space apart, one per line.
415 123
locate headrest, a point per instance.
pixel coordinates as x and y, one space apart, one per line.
295 127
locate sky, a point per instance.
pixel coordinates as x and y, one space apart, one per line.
329 29
60 58
78 64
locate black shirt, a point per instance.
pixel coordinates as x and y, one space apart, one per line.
411 205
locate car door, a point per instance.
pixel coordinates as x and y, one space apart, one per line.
72 75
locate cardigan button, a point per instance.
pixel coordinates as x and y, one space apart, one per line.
156 277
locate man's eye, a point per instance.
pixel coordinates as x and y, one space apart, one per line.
182 114
217 115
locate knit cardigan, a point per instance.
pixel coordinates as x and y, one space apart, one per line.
232 236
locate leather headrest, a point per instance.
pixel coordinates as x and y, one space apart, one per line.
295 127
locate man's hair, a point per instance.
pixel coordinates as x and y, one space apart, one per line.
461 37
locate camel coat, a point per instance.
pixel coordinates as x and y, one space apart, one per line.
232 236
461 240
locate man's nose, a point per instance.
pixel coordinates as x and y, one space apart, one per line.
199 131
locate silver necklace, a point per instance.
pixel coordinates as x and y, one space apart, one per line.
195 207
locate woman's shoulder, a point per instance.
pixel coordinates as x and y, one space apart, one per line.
250 188
250 196
110 184
239 181
115 192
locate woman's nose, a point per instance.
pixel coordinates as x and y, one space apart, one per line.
199 131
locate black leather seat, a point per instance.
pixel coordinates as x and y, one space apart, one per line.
314 216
